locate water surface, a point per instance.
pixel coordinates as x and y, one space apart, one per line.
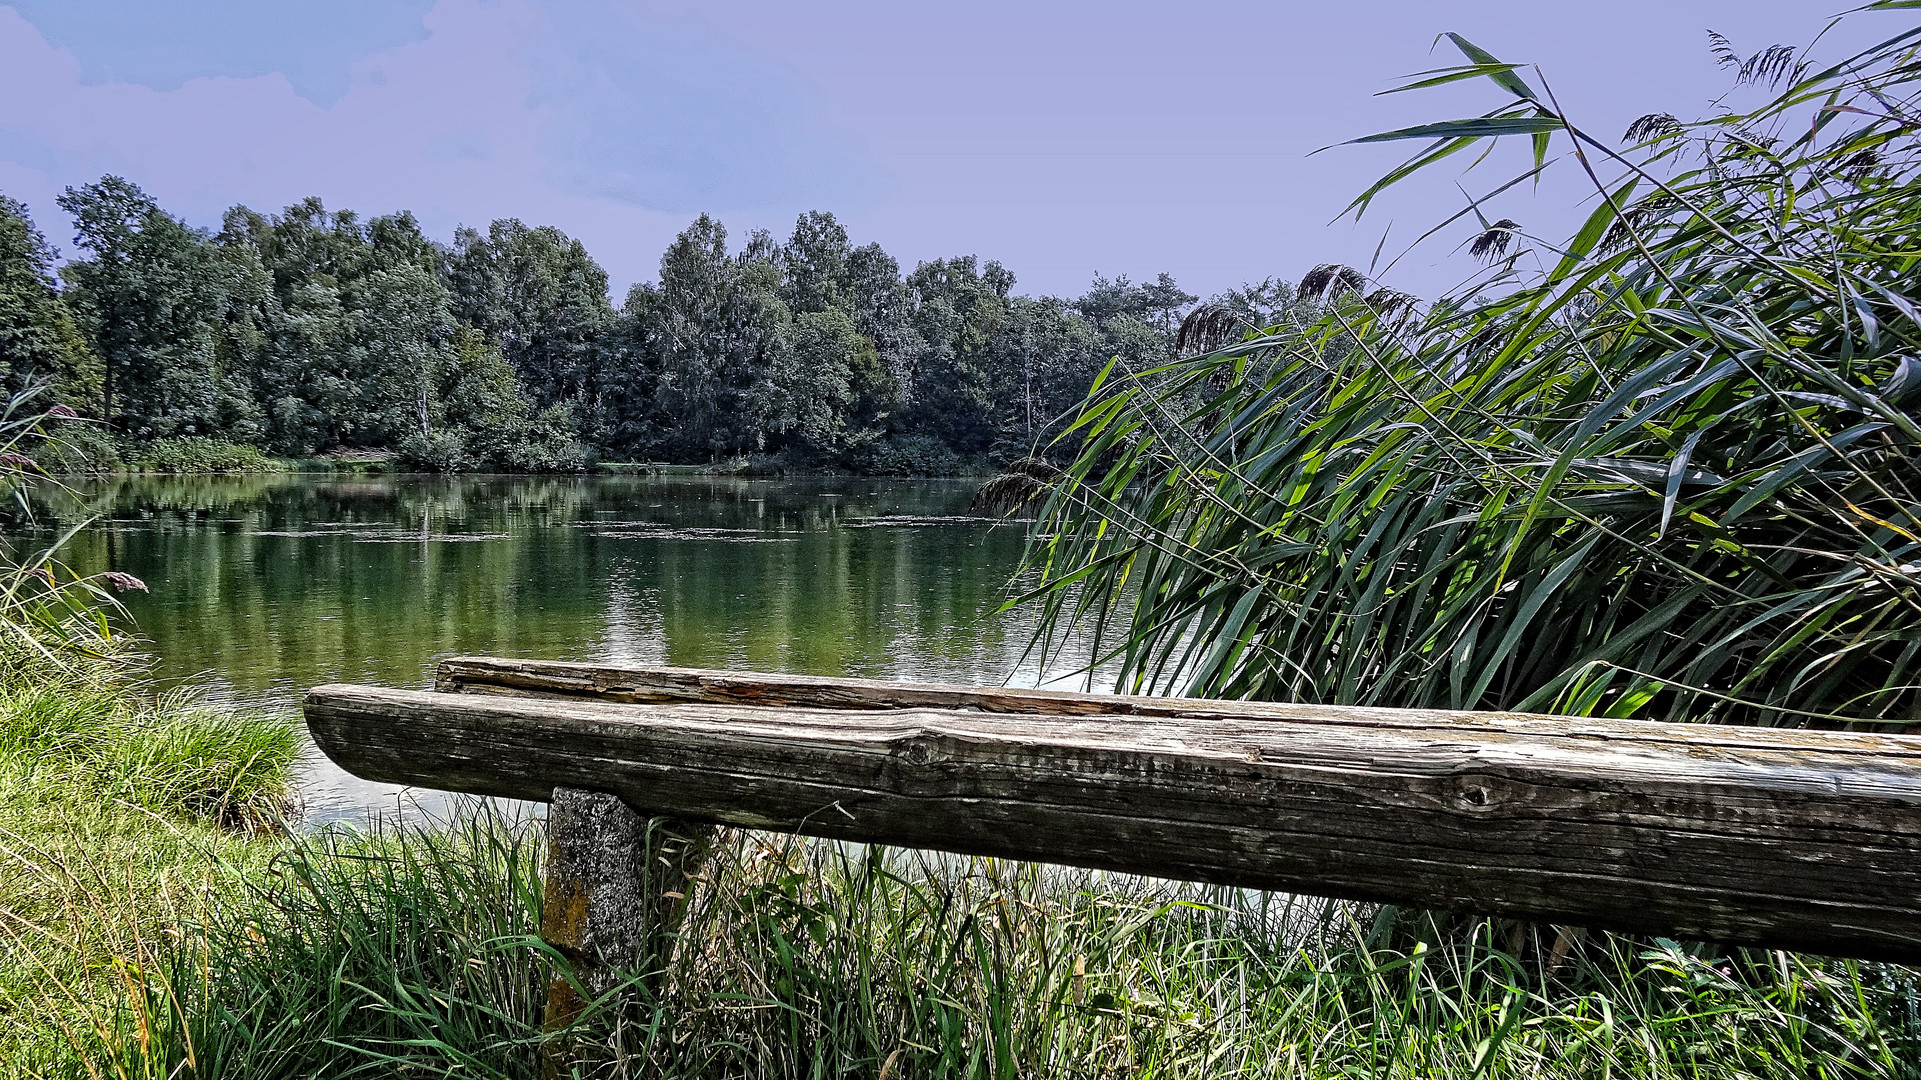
262 586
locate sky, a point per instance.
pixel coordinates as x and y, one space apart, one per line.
1062 139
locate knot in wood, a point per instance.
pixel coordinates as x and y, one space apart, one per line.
919 750
1476 794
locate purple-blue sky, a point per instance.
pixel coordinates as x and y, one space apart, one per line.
1063 139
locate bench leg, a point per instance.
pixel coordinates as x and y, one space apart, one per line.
616 889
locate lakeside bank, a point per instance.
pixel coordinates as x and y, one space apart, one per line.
158 931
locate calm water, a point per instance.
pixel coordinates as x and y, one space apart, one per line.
264 586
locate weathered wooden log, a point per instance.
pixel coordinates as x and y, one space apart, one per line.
1742 835
637 685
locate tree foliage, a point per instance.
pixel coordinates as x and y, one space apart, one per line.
317 330
148 297
39 343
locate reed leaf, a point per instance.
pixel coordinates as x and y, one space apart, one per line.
1672 476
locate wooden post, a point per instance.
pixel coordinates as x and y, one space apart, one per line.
616 890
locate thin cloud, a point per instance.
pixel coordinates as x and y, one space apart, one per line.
164 44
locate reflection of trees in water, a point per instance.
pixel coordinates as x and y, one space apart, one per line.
281 582
463 503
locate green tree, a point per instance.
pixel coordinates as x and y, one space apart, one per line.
809 389
1157 304
470 412
149 300
1165 300
717 329
882 307
39 343
334 323
1050 355
543 299
305 368
405 326
814 264
961 384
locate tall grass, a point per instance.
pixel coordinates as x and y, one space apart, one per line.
122 820
121 813
402 952
166 755
409 951
1663 468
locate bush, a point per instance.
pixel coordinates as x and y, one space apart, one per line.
907 455
439 452
78 448
546 444
199 454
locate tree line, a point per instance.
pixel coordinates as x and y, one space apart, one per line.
311 331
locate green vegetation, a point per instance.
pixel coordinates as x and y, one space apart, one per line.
148 937
1663 469
86 449
38 338
199 454
319 333
121 820
122 815
411 950
120 812
1664 472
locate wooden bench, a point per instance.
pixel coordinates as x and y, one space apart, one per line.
1750 836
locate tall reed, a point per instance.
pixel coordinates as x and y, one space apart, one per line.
1663 468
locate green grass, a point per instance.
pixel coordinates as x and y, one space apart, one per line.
411 951
122 818
167 756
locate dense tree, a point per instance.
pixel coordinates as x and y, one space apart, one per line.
539 295
331 324
405 325
719 326
313 330
959 386
149 299
882 306
1157 304
305 373
470 412
39 342
814 264
808 391
1053 358
1264 303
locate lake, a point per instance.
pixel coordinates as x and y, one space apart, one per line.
262 586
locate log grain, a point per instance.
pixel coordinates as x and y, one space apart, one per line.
1802 840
